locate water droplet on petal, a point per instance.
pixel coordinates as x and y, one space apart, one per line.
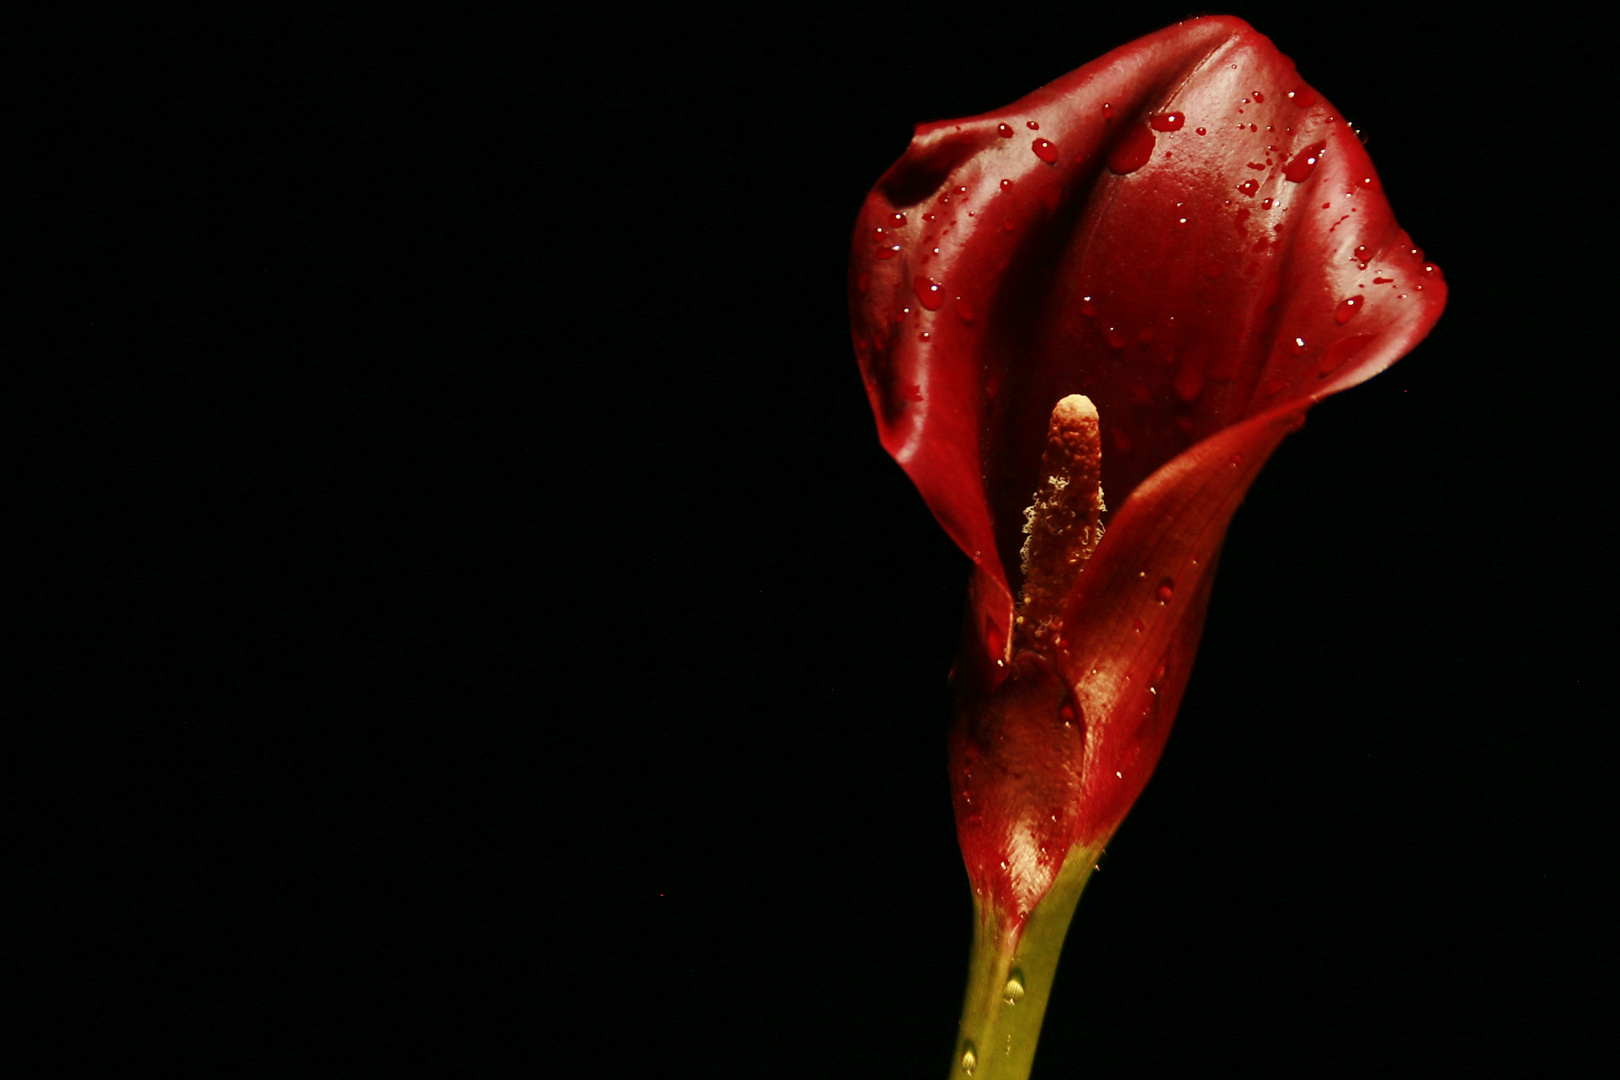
970 1058
1363 254
1004 130
1013 992
888 252
1088 307
1340 351
1170 121
1006 185
1297 346
1133 151
1045 151
1347 309
964 310
928 291
1258 97
1299 170
1032 125
1167 589
1249 187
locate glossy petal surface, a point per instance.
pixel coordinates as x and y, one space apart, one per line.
1187 234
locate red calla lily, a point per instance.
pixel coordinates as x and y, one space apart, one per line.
1193 239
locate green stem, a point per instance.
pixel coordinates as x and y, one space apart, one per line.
1010 978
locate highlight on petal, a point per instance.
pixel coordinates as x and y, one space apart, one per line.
1198 244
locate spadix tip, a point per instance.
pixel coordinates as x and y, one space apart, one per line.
1074 410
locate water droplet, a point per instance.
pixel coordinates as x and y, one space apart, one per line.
1032 125
1116 337
964 310
899 220
1167 589
1265 204
928 291
1013 992
1108 110
1299 170
1304 97
1237 459
1340 351
1170 121
1259 97
1006 185
1133 151
1004 130
970 1058
1297 346
1249 187
1347 309
1139 626
888 252
1363 254
1088 307
1045 151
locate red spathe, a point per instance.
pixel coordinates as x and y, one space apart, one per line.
1187 234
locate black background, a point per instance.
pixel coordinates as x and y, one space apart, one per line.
475 629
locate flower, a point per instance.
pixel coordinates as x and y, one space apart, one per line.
1084 322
